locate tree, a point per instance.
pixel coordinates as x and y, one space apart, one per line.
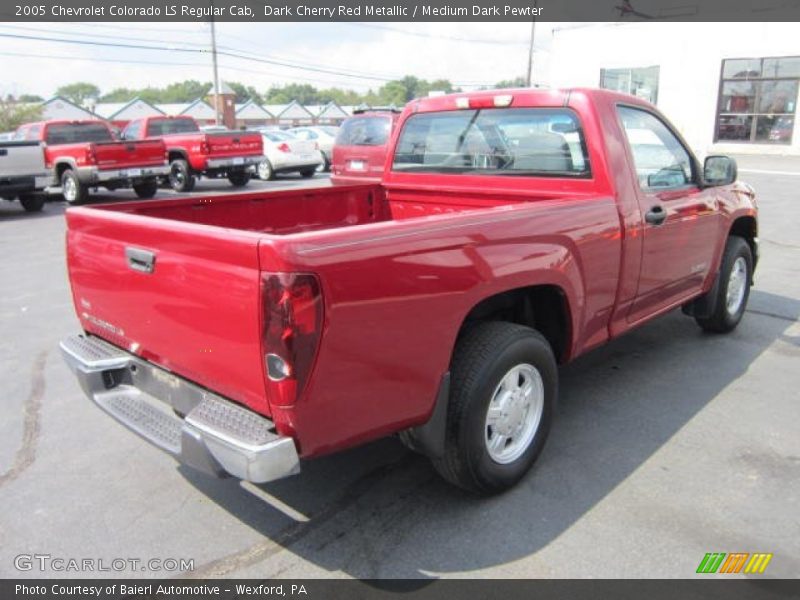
245 92
119 95
517 82
304 93
13 114
30 98
79 92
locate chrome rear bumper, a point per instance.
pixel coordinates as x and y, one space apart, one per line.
216 436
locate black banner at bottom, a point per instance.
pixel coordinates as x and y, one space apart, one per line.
412 589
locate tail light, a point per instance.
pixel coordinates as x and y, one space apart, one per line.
316 145
91 157
284 147
204 149
293 313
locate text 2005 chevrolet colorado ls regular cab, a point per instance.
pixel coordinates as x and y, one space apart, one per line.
512 231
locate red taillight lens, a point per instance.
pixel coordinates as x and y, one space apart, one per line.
91 157
293 313
284 147
204 149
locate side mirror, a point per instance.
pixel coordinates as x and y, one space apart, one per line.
719 170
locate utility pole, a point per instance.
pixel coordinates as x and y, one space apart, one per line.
217 118
529 74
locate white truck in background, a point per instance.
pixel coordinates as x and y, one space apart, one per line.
23 174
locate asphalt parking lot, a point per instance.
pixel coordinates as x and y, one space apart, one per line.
669 444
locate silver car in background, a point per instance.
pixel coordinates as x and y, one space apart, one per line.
323 135
284 153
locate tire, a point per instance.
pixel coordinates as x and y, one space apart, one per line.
264 171
487 357
32 202
239 178
325 166
146 189
72 189
733 289
181 178
308 173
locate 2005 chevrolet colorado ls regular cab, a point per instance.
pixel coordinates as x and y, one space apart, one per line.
512 232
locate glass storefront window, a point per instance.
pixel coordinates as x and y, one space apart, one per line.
758 100
640 82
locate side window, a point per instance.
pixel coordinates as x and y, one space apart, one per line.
133 130
33 133
660 159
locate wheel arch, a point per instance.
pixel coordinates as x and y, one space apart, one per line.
544 307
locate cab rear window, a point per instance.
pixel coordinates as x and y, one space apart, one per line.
505 141
77 133
168 126
364 131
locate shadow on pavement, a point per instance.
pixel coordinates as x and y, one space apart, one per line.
619 405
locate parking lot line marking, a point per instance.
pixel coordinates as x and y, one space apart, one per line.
765 172
274 502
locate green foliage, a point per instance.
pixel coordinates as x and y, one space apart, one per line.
79 92
30 98
13 114
517 82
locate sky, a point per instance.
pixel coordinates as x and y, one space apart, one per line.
360 55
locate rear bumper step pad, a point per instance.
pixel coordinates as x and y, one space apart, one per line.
215 436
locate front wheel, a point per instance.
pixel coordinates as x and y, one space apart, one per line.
733 289
239 178
32 202
146 189
308 173
325 165
73 190
504 386
181 178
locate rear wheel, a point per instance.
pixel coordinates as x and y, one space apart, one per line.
181 178
146 189
733 290
32 202
239 178
73 190
504 385
265 171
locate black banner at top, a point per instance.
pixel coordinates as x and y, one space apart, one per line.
398 10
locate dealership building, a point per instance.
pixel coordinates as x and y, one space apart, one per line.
727 87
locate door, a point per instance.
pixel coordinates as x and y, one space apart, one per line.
681 220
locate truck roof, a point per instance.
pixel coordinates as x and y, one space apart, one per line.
518 97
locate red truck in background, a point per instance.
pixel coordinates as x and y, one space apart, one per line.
362 142
511 232
231 154
85 154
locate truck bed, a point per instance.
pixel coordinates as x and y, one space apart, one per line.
297 211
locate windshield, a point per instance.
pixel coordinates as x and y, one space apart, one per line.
168 126
77 133
364 131
505 141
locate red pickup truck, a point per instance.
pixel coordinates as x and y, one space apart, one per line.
512 231
231 154
85 154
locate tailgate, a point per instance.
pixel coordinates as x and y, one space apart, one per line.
235 144
196 313
21 159
144 153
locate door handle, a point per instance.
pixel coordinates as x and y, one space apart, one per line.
656 215
143 261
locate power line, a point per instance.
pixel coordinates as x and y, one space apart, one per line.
236 55
451 38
